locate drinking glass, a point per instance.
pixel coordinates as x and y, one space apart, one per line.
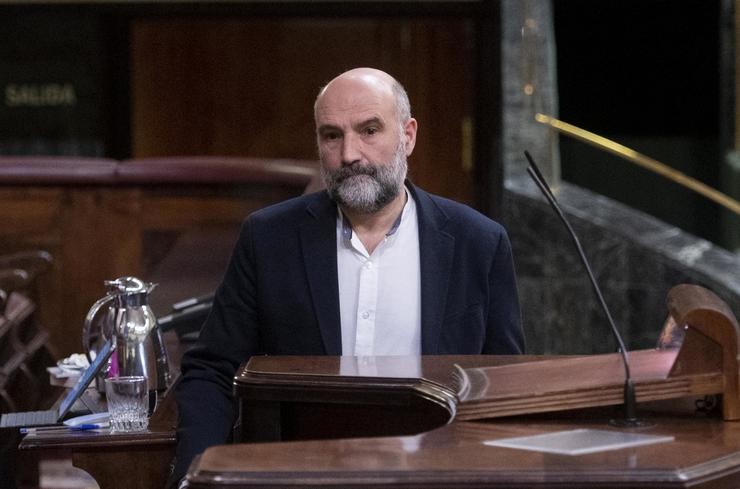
128 403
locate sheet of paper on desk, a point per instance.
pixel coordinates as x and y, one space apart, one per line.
72 366
95 418
578 442
62 373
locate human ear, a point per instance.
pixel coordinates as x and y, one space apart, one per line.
409 132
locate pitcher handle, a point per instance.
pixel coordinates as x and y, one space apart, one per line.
87 333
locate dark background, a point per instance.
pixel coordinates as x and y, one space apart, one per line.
646 74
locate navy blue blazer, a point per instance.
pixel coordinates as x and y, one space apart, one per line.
280 296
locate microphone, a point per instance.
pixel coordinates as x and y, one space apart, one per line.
630 404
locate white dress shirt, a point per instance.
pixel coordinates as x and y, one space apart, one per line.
380 294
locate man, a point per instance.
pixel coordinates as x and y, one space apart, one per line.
372 266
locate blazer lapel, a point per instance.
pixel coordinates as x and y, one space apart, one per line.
319 246
436 252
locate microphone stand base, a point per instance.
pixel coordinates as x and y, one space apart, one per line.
631 423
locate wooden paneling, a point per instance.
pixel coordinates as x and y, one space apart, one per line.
102 232
246 86
30 212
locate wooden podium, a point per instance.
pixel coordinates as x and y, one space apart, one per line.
428 421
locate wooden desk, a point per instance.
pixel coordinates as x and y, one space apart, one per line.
424 422
118 460
300 400
398 421
705 453
125 460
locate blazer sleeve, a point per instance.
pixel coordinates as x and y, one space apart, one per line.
504 335
230 335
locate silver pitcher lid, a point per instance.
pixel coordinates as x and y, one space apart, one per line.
129 291
129 285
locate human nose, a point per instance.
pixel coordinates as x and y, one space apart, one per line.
350 150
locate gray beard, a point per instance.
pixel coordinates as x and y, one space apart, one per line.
367 188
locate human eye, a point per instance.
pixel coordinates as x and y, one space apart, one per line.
330 136
371 130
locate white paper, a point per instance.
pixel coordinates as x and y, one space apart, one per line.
578 442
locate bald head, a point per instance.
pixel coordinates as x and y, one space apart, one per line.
371 80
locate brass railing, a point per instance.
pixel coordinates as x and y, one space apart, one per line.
641 160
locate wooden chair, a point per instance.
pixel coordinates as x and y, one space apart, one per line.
19 274
32 264
25 350
20 386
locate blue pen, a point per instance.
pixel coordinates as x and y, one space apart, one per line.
84 426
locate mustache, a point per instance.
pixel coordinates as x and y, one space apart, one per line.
354 170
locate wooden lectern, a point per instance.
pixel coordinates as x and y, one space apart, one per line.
431 421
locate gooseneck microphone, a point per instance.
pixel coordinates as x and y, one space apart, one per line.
630 404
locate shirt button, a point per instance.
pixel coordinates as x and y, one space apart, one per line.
368 265
365 315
